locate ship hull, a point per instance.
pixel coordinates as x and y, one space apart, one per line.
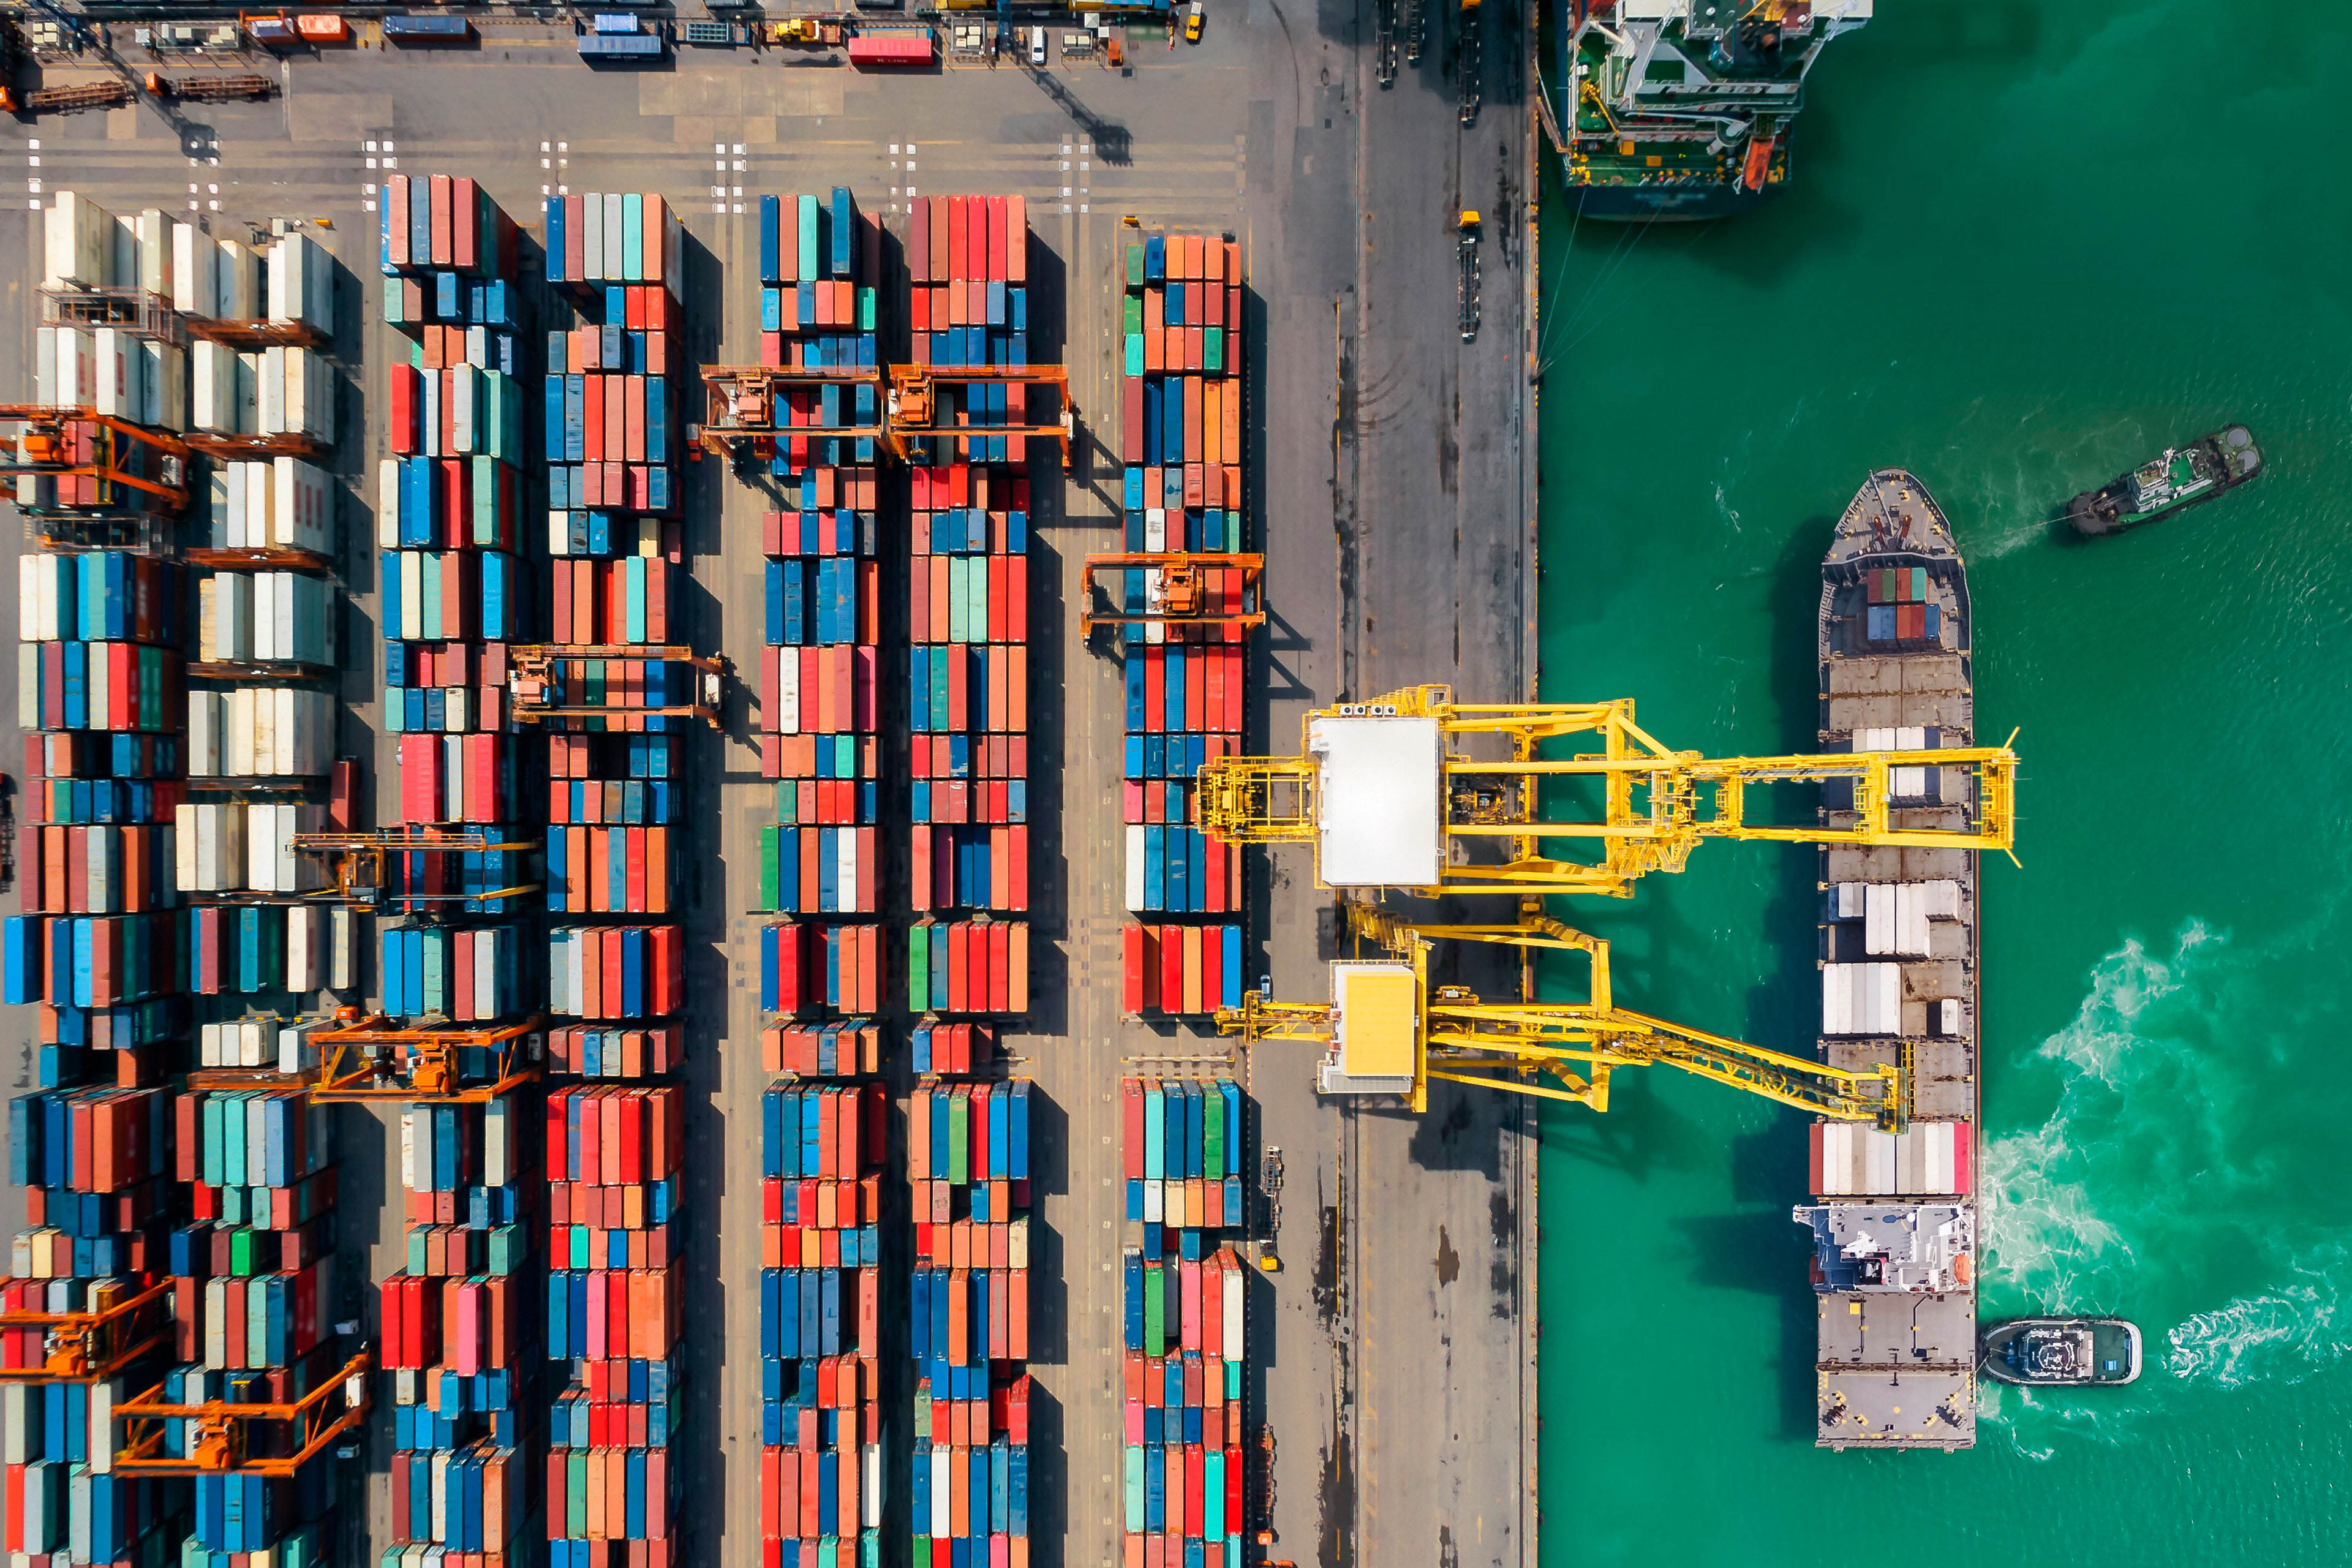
1665 203
1894 640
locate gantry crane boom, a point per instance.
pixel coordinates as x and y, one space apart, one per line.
354 863
369 1057
534 674
1388 792
42 447
742 404
221 1434
1189 589
86 1346
1389 1031
914 408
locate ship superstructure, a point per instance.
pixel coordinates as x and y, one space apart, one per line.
1680 110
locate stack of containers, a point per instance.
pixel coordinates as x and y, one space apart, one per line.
613 397
93 1164
252 1303
118 372
614 1288
1182 1456
1181 1146
1181 423
819 671
968 675
1182 1149
968 1169
98 951
455 1331
820 1322
449 497
99 943
616 984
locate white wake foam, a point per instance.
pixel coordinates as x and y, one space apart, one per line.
2284 1335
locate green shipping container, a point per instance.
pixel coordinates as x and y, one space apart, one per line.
1212 348
1155 1310
959 1139
1135 280
919 968
1134 1459
1134 353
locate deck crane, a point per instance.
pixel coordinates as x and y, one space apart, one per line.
123 1323
1387 1030
223 1437
1391 797
537 680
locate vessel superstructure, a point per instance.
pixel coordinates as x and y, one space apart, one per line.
1898 929
1681 110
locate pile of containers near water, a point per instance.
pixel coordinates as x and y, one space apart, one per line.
1181 1146
820 870
1180 414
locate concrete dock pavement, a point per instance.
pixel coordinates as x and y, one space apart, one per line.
1391 1355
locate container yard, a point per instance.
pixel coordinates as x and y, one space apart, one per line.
615 768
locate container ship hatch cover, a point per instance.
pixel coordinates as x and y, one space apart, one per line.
1894 1215
1680 110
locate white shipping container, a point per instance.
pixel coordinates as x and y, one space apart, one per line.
408 1136
342 969
165 375
497 1144
412 595
592 261
45 366
1155 528
156 232
465 394
124 268
1947 1016
120 374
303 507
387 504
212 375
1878 919
78 243
195 271
1135 867
306 947
239 284
429 416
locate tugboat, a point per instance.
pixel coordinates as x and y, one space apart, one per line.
2063 1353
2182 477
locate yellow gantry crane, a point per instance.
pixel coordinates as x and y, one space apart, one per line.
1393 796
1388 1031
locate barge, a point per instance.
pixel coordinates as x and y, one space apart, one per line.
1895 1216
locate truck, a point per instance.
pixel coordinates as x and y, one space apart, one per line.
65 99
1465 248
210 88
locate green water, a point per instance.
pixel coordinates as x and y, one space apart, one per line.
2029 243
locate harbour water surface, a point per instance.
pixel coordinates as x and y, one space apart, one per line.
2029 244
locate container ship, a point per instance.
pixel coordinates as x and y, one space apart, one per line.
1895 1214
1680 110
